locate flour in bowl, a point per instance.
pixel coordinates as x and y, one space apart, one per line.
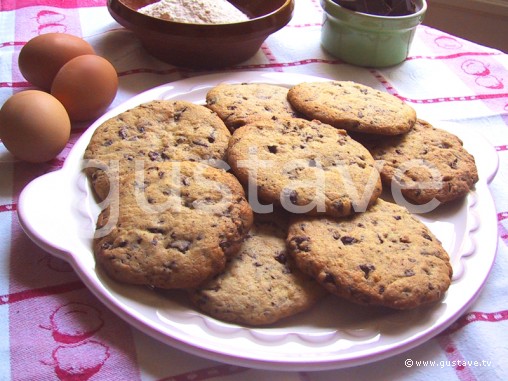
195 11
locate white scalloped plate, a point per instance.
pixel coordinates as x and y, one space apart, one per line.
58 212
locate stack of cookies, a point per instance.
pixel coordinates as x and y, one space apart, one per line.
267 199
172 219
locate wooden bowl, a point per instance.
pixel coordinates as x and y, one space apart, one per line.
204 46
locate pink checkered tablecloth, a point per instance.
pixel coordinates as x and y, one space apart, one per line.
53 328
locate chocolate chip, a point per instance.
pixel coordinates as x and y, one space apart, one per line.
156 230
329 278
198 143
272 149
300 243
291 194
153 155
122 133
346 240
178 114
367 268
409 272
281 258
181 245
225 245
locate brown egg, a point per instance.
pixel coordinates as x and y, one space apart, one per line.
43 56
86 86
34 126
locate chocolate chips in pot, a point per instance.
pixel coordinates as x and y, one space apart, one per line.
380 7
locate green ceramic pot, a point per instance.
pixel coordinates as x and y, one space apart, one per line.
368 40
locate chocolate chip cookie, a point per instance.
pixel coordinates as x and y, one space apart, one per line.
426 163
383 257
156 131
261 284
237 104
353 107
172 225
304 166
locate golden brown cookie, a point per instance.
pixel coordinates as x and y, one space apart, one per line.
426 163
237 104
172 225
156 131
303 166
383 257
261 284
353 107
